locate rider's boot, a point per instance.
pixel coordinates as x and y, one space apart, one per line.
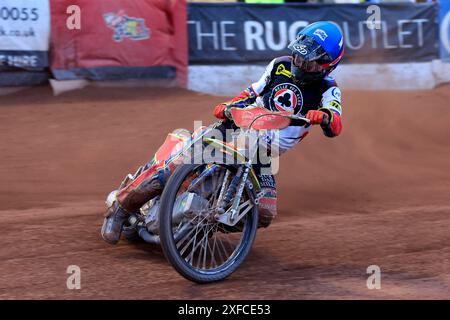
267 197
148 184
142 189
113 223
267 207
267 202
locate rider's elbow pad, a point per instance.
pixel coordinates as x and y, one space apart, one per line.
245 98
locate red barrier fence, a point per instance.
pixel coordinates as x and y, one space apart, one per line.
120 39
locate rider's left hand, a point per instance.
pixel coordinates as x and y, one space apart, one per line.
315 116
219 111
222 111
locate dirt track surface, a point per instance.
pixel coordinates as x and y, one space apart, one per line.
376 195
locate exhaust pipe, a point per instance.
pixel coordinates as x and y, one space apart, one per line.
154 239
148 237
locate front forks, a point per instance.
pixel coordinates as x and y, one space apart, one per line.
236 188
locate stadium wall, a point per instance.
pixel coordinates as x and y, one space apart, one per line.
402 55
229 80
410 55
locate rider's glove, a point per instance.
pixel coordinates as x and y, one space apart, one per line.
329 121
222 111
316 116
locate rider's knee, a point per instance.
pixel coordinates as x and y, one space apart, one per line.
141 190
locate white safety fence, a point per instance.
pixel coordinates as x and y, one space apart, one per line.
229 80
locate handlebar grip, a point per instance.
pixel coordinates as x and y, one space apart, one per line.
299 123
325 121
227 113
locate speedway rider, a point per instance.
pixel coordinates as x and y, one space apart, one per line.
299 83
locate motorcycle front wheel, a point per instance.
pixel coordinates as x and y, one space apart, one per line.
196 243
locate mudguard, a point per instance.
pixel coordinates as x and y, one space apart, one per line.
231 150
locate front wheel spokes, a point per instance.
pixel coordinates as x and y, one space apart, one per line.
191 254
206 244
223 248
213 259
198 243
189 235
226 236
203 245
214 247
221 181
208 241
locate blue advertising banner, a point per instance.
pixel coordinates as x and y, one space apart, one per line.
444 29
243 33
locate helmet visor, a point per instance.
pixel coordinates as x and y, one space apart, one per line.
308 55
305 65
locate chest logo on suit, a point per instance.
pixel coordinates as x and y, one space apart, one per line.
286 97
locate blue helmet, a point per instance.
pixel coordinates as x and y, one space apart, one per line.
316 51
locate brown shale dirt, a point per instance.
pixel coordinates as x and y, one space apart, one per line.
379 194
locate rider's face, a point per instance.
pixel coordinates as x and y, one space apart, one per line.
304 65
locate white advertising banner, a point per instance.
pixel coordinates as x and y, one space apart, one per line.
24 33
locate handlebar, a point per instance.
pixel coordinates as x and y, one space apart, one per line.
247 117
301 121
